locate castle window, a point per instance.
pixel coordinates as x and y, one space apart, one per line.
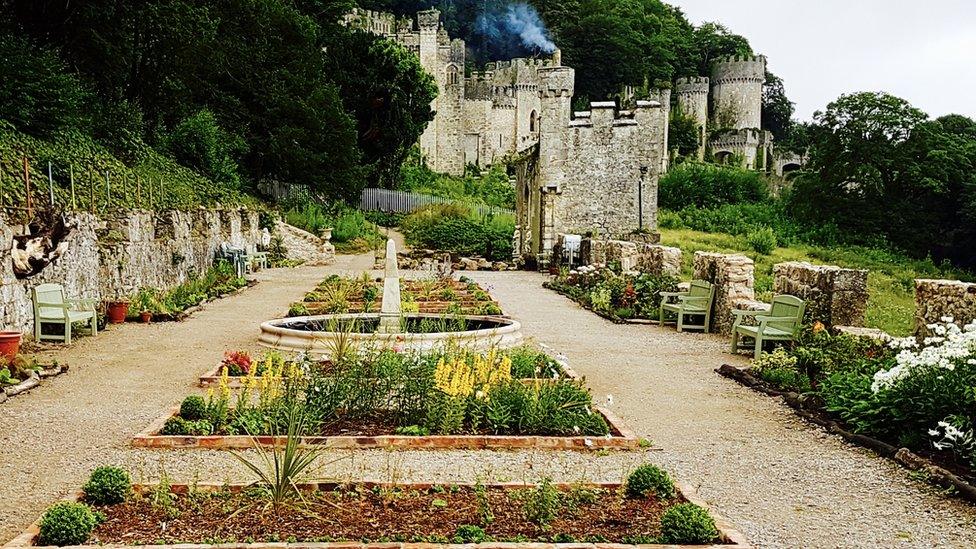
534 122
453 77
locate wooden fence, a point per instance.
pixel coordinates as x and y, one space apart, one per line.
384 200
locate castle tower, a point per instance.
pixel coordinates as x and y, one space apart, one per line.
692 96
556 87
737 86
429 22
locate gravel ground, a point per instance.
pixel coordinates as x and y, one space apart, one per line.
781 482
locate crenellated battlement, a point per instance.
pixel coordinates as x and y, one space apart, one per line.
429 20
557 82
749 68
740 138
692 85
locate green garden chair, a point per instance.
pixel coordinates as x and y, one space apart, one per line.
51 307
697 301
778 324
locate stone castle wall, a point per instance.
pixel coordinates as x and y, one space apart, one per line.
935 299
114 256
734 278
833 295
659 260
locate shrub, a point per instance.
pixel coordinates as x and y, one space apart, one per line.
708 185
542 503
649 479
200 143
762 240
687 523
193 408
469 533
457 229
177 426
67 523
108 486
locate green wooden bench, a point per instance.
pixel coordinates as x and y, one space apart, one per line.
51 307
697 301
778 324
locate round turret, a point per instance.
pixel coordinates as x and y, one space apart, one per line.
737 85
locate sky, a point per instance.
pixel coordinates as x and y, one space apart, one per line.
921 50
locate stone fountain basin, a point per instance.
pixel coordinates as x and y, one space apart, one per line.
304 334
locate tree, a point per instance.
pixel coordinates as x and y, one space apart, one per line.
777 109
684 135
712 42
386 89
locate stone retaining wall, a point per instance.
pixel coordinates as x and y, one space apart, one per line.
593 251
659 260
935 299
114 256
834 296
734 279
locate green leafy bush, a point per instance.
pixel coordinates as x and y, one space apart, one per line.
108 486
649 479
610 293
469 533
687 523
177 426
67 523
457 229
708 185
200 143
762 240
193 408
542 504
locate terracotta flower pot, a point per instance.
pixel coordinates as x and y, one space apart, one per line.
9 344
145 317
117 311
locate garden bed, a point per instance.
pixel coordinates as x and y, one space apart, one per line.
432 296
365 435
237 365
403 516
624 298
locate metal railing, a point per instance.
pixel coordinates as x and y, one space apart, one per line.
384 200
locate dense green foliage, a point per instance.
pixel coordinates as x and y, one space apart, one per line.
708 185
457 229
108 485
67 523
491 188
235 89
687 523
352 231
880 170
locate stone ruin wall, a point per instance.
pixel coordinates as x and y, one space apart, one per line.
833 295
633 256
935 299
116 255
734 278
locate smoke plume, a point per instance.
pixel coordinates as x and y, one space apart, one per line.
518 21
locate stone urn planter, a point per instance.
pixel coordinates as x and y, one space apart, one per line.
117 311
327 234
9 344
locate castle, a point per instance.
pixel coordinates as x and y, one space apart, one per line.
596 169
727 110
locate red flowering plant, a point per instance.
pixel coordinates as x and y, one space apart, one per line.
237 363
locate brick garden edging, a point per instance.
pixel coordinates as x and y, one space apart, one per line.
935 474
729 536
622 438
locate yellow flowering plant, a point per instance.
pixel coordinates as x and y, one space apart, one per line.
465 374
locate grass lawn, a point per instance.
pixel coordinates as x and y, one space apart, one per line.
891 305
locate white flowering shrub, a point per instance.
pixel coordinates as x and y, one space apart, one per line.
906 398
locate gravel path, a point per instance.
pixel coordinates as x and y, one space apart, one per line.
783 483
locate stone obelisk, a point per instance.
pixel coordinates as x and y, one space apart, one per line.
390 308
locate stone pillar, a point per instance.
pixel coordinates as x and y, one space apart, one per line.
659 260
834 296
935 299
734 278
